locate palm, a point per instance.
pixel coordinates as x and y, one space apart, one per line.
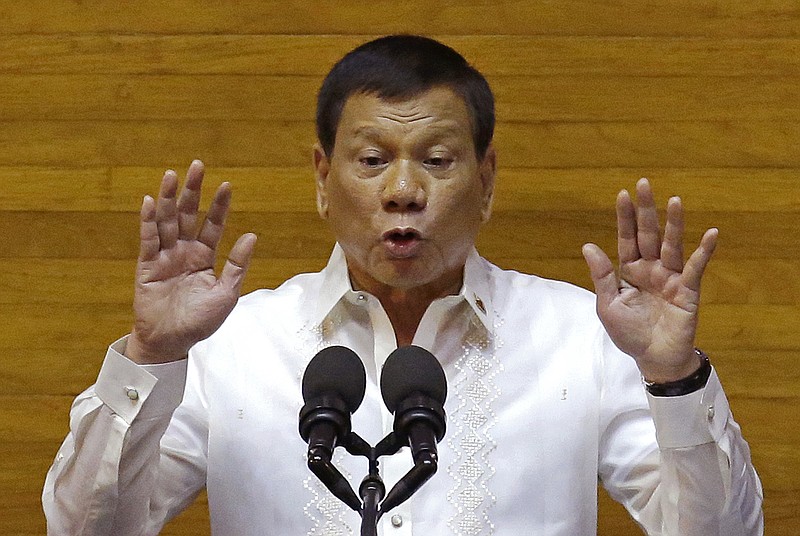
175 287
178 298
651 303
650 310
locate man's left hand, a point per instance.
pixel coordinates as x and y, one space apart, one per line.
650 308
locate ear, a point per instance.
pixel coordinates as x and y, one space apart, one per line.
488 170
322 166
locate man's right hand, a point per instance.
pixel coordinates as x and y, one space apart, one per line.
178 299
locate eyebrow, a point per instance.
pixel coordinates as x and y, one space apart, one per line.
368 131
372 132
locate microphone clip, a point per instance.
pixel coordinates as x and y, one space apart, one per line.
419 408
330 410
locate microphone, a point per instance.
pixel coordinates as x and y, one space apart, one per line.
414 388
333 387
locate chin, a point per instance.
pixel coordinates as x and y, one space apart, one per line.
407 274
404 281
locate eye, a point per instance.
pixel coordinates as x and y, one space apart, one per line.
438 162
372 161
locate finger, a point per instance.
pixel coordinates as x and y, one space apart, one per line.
672 246
696 265
149 243
166 210
189 201
627 247
238 261
214 225
647 232
606 285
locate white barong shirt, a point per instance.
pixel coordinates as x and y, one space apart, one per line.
541 406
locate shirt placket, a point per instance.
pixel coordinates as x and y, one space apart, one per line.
399 522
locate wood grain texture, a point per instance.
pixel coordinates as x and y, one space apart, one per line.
313 55
520 99
98 98
676 18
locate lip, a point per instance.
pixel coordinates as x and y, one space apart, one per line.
402 242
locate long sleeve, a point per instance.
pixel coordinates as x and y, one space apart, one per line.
117 472
700 481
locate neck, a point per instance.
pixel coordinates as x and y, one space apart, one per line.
406 307
405 310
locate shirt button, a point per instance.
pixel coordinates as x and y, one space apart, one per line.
711 412
361 297
397 521
132 393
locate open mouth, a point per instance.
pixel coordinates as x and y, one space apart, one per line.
401 236
402 242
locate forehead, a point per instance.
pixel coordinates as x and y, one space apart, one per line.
437 111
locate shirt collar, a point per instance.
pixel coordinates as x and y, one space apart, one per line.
335 284
475 290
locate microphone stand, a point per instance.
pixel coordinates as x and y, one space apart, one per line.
372 489
419 424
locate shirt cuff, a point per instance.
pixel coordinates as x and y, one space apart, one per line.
690 420
144 391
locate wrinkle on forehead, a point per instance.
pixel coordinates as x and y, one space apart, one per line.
412 117
369 116
404 112
436 129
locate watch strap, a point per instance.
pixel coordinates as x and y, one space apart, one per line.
684 386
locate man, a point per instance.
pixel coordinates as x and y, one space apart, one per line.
543 398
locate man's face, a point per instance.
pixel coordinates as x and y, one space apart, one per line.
404 191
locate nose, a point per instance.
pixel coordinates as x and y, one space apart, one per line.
403 190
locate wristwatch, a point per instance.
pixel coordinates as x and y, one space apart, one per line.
687 385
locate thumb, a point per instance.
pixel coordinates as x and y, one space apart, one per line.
238 261
601 270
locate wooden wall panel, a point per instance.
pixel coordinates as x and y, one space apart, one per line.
312 55
687 18
97 98
520 99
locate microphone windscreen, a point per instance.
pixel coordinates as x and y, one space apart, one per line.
336 370
412 369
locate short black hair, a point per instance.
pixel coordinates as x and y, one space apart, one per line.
403 66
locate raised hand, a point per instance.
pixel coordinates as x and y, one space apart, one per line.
178 299
650 308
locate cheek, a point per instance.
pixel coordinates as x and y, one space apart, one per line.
351 210
351 198
462 208
458 227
